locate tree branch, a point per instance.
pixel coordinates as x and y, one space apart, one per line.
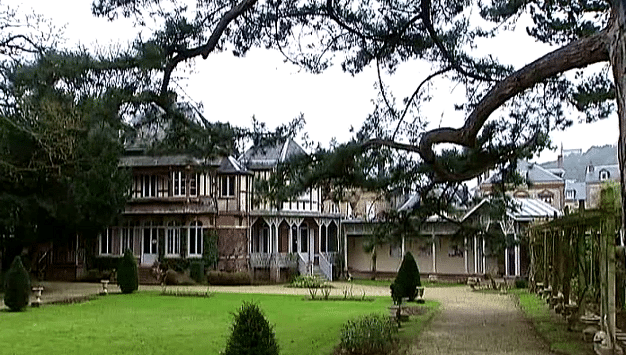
209 46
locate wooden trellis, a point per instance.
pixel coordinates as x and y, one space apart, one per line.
572 263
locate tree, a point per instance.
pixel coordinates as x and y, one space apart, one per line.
251 333
127 276
407 280
17 286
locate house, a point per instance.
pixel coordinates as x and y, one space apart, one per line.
302 234
178 201
540 183
444 251
595 178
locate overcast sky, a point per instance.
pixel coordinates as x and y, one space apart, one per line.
261 84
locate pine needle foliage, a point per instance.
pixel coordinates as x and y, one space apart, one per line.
251 333
127 277
17 286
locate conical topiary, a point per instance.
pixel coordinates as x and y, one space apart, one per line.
127 277
17 286
251 333
407 280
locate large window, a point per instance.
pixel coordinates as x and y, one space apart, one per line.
149 186
172 239
127 238
195 239
227 186
178 183
106 242
304 238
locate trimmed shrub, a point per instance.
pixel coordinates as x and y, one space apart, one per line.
127 277
370 334
407 280
228 278
17 286
177 278
251 333
196 271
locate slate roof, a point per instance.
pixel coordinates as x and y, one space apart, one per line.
594 176
531 171
579 188
270 156
159 160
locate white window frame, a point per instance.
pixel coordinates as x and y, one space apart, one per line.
226 182
108 235
195 226
127 238
178 183
172 240
570 194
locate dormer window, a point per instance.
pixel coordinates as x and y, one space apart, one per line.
604 175
570 194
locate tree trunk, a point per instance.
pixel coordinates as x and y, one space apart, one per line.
617 57
374 263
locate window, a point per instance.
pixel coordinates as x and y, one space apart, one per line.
323 239
262 241
546 196
195 239
193 184
172 240
148 186
294 239
228 186
127 239
604 175
106 242
178 183
304 238
570 194
332 237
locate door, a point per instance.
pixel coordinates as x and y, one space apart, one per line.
150 246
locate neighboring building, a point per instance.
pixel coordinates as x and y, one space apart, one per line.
540 183
575 195
595 177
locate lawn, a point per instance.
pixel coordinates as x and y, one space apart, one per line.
551 327
147 323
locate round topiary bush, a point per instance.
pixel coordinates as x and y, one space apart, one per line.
251 333
127 277
407 280
17 286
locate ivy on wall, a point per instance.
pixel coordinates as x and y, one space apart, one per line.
211 253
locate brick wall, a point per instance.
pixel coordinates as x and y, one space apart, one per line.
233 249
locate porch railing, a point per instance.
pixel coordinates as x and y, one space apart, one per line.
326 267
260 260
285 260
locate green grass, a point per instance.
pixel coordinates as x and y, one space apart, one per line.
146 323
552 328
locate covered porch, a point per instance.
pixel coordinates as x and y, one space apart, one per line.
280 245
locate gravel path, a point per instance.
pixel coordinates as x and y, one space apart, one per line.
469 323
477 323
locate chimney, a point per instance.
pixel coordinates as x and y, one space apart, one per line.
559 159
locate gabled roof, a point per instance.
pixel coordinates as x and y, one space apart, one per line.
272 155
230 165
593 175
531 172
161 160
527 209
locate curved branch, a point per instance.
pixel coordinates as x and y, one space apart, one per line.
577 54
211 43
